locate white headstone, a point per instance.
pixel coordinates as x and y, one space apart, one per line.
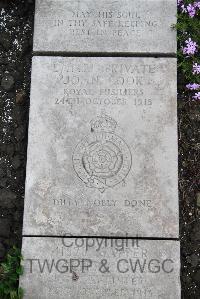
102 153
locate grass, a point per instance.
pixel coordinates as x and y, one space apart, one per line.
10 270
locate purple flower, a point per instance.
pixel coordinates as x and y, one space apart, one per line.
196 68
197 4
197 96
180 2
191 47
193 86
191 10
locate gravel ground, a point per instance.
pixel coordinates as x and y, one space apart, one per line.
16 28
189 194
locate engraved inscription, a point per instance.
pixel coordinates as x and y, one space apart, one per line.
128 26
114 85
105 23
110 123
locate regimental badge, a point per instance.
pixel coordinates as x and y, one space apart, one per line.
102 159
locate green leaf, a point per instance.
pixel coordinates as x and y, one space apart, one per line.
10 270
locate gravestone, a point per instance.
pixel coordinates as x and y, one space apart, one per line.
128 26
102 152
100 268
102 148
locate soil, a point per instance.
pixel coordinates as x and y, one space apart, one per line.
16 30
189 193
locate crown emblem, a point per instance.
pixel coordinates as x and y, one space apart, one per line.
103 123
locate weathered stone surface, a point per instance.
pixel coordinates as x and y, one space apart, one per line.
102 154
131 26
78 268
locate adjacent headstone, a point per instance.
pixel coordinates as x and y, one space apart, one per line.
128 26
100 268
102 153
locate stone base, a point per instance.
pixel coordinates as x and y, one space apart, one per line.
93 268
